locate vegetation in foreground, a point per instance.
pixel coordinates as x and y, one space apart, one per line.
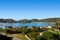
3 37
35 33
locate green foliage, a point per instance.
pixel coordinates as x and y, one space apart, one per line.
47 35
50 36
37 37
24 30
32 34
4 30
37 29
57 24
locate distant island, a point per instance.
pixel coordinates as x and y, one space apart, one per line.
28 21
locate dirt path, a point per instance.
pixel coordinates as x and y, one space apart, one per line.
15 38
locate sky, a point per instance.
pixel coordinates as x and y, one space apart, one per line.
29 9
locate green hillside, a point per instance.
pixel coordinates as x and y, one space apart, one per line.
50 20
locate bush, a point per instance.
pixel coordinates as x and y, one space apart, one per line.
32 34
49 36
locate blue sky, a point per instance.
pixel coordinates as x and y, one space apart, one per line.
29 9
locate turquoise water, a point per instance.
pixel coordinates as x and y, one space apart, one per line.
37 24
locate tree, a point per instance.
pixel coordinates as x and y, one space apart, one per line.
24 30
38 29
37 37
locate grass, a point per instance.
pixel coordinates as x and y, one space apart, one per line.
54 31
20 36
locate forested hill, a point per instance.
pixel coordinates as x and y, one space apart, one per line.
32 20
51 20
7 20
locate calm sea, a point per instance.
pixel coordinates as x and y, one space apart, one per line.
27 24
